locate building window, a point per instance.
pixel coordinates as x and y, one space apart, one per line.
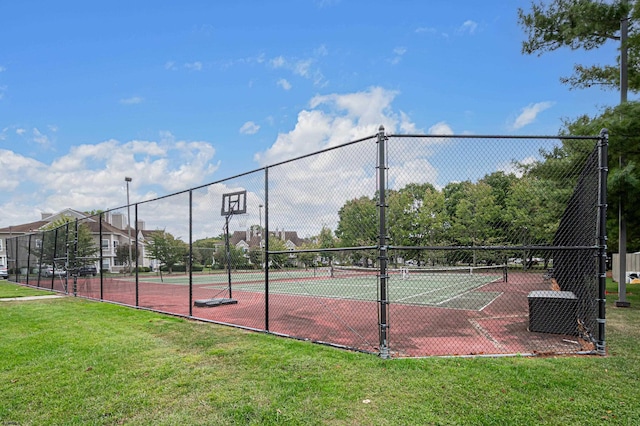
1 244
38 244
115 244
105 244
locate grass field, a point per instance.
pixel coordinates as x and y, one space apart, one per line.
73 361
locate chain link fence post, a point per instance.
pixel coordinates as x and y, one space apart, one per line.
383 299
602 240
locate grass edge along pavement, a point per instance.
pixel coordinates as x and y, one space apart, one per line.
73 361
11 290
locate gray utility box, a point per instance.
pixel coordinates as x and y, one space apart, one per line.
553 312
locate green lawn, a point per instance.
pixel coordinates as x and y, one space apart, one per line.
73 361
9 290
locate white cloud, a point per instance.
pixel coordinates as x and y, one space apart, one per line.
429 30
17 168
398 52
20 132
529 114
2 69
512 168
468 26
90 176
170 65
306 68
284 84
249 128
40 138
321 51
132 100
3 89
278 62
194 66
440 128
307 193
303 67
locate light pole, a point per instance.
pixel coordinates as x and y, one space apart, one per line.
622 301
127 180
261 232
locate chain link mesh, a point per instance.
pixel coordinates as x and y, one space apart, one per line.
490 246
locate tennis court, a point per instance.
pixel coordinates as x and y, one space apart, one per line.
454 288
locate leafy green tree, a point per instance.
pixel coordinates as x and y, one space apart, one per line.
433 220
623 123
358 223
164 247
502 185
309 258
533 211
122 254
326 239
204 249
256 256
415 218
358 226
238 258
276 244
60 240
475 213
586 25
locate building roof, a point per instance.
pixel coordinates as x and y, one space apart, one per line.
48 218
254 239
25 228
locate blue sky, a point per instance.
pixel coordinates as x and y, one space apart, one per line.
176 95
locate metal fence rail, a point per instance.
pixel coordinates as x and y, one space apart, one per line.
398 245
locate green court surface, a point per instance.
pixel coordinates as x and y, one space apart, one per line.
446 290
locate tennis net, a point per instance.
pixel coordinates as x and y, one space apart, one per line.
498 271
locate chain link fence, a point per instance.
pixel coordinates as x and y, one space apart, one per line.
398 245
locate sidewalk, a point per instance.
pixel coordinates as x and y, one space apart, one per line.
12 299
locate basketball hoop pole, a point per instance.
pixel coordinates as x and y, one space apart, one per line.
232 203
226 243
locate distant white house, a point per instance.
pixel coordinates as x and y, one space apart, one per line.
245 240
114 233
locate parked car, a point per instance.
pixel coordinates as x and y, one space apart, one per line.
4 273
48 271
87 270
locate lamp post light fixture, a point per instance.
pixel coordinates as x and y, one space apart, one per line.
127 180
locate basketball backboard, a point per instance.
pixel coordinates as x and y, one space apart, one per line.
234 203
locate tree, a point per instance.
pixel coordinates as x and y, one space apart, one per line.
325 240
204 249
623 123
358 225
166 248
433 220
60 240
532 212
238 259
276 244
122 254
584 24
474 216
309 258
